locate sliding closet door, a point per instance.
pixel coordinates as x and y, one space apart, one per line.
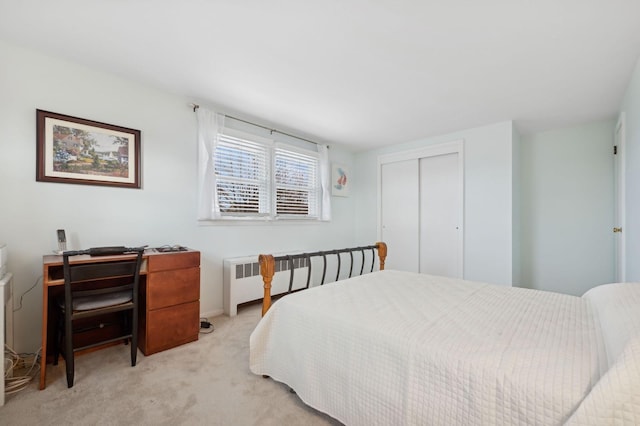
421 209
400 213
440 215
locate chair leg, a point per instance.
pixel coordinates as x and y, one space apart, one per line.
68 350
134 337
57 341
70 372
134 353
126 325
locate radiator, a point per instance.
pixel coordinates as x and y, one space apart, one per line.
242 281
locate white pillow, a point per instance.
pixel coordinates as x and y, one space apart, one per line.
617 308
615 399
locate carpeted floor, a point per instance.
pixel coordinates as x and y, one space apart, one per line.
207 382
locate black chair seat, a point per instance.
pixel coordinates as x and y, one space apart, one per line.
87 303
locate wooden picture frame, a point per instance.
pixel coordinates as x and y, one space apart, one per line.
79 151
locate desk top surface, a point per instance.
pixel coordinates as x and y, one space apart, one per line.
56 259
152 261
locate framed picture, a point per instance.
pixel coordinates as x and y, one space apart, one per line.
340 180
75 150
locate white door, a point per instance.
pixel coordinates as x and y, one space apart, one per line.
619 225
400 214
440 205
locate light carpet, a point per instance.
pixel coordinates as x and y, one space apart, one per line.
207 382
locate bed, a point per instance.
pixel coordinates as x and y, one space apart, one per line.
398 348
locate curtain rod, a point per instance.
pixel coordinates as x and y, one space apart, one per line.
196 106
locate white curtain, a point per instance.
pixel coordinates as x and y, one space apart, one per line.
325 180
209 125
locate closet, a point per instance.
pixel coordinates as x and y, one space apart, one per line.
421 209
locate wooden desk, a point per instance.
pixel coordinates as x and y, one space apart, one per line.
169 313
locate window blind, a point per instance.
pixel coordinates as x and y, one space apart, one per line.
296 183
242 182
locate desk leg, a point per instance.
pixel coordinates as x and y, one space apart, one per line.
45 328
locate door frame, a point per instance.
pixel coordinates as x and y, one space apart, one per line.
453 147
620 199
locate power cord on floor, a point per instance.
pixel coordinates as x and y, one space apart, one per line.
20 369
206 327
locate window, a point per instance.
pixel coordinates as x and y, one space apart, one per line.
242 180
296 183
263 179
249 172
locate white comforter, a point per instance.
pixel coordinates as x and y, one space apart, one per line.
397 348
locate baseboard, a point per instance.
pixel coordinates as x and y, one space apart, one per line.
213 313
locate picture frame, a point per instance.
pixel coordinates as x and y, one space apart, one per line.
340 180
80 151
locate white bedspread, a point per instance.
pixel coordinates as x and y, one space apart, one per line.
397 348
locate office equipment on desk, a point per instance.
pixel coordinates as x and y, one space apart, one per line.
111 250
62 240
169 311
168 248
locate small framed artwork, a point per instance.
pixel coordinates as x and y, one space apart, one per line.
75 150
340 180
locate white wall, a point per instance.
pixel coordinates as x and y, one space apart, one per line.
487 201
631 107
162 212
567 208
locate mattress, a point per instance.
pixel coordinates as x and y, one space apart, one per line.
399 348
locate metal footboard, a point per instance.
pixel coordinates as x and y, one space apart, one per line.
268 268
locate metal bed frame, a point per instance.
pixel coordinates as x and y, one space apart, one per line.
268 262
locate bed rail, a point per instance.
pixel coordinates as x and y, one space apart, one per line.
268 262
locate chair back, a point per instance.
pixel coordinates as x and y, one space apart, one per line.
112 276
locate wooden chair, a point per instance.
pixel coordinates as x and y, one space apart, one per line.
116 291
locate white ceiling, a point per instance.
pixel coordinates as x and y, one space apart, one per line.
363 73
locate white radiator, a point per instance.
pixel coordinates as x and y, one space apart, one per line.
242 281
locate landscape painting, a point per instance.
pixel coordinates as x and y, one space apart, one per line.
75 150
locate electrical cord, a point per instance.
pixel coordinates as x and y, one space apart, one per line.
205 324
27 365
23 294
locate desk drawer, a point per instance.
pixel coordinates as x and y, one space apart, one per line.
172 326
176 260
174 287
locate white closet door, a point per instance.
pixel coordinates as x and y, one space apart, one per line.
400 214
440 207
